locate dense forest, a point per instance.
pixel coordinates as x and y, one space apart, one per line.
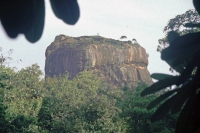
30 103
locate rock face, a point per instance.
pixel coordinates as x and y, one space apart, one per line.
117 62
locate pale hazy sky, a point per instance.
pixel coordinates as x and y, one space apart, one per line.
143 20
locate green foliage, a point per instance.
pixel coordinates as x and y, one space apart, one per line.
25 96
138 117
79 105
6 75
22 123
5 126
21 98
83 104
183 56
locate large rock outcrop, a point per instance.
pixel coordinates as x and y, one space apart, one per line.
117 62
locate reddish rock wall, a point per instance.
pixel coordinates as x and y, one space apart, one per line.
114 61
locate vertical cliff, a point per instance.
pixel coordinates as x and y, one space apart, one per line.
116 62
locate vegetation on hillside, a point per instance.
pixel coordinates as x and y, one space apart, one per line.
88 40
82 42
32 104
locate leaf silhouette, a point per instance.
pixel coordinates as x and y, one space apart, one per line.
183 94
27 18
182 120
160 85
35 31
163 109
161 98
191 25
186 41
67 10
160 76
189 53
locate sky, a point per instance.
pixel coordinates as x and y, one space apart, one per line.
143 20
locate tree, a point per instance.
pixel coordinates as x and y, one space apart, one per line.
79 105
123 37
177 24
20 100
137 117
175 28
82 104
3 58
5 126
183 56
134 41
22 96
28 17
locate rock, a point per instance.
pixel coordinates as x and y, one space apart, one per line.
116 62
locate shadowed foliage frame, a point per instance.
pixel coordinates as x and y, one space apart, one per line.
182 55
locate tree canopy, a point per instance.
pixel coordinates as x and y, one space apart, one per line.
180 24
28 103
123 37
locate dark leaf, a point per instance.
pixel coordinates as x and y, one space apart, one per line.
198 131
195 79
191 25
183 42
190 53
162 84
37 10
182 53
189 118
160 76
178 68
183 117
187 72
196 5
183 94
161 98
163 109
67 10
27 17
166 54
13 25
194 113
179 58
